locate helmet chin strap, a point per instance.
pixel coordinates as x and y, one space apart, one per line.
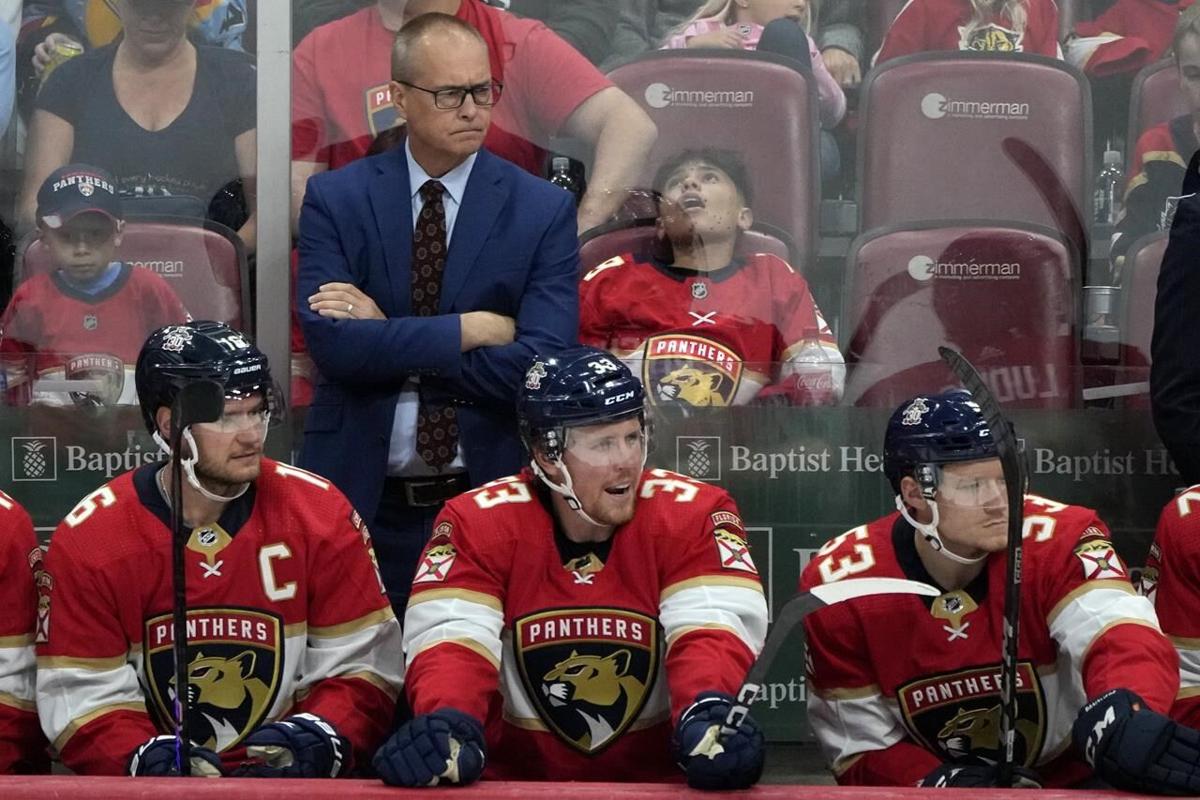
566 489
189 467
930 532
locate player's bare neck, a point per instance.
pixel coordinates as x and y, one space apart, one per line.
575 527
947 574
197 509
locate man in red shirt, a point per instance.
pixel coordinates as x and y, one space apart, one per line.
341 98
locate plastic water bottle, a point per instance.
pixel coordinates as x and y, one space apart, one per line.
814 372
1107 203
562 176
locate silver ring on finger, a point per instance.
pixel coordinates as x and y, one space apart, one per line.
349 308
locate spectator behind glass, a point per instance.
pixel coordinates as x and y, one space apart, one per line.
982 26
748 25
10 18
643 24
341 99
703 324
586 24
166 117
1162 153
1129 35
86 318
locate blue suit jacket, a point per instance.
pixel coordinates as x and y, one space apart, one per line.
513 251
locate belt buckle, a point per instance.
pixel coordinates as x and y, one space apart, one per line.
411 497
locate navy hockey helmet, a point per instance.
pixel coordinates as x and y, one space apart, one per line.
579 386
176 355
931 430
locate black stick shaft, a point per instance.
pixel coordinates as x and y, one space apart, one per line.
179 611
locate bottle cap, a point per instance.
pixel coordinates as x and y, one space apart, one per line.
1112 157
560 162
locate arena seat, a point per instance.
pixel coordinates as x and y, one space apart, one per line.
978 136
753 103
202 261
600 244
1004 295
1154 99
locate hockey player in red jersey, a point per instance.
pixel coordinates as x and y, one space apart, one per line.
1169 581
980 26
595 616
22 748
702 325
83 321
294 653
905 690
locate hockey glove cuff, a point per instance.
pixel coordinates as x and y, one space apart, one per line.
444 746
299 746
710 760
1135 748
978 776
158 757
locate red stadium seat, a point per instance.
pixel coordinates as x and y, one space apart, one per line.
1154 99
600 244
202 261
976 136
753 103
1005 296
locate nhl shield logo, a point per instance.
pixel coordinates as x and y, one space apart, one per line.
587 671
233 676
690 370
958 714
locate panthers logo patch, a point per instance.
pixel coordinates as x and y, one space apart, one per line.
106 374
381 114
233 675
587 672
990 38
958 714
684 369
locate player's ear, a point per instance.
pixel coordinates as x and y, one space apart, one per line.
545 463
162 418
120 233
910 492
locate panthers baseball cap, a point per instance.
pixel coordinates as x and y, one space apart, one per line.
76 189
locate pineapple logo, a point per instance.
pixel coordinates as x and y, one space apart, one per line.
34 458
698 457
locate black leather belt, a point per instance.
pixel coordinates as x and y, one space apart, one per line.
424 492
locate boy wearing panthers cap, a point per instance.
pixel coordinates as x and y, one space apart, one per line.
70 333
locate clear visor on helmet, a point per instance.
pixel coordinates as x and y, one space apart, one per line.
608 445
971 491
245 410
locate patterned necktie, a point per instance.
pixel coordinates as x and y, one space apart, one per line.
437 425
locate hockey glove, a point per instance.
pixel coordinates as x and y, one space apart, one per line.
443 746
1135 748
158 758
299 746
978 776
710 760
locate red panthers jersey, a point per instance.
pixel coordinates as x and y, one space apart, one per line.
22 748
1169 580
901 683
580 662
286 614
928 25
51 330
713 338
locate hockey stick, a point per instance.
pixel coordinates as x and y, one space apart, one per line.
1014 481
198 401
790 617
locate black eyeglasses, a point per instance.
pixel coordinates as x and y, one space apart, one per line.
484 94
